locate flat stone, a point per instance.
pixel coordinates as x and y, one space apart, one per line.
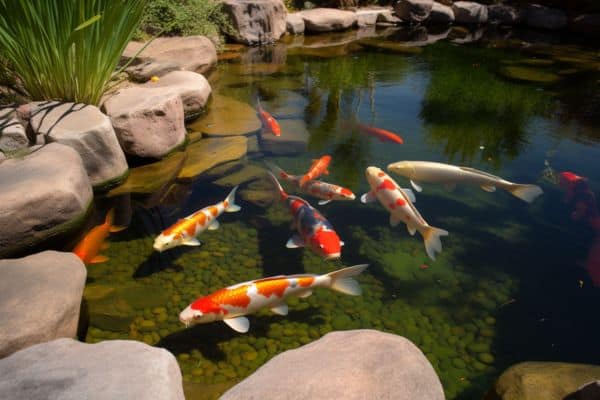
40 298
441 14
294 24
541 17
88 131
207 153
327 19
378 366
247 174
149 122
44 193
193 88
163 55
69 370
227 116
413 10
468 12
12 133
293 140
256 21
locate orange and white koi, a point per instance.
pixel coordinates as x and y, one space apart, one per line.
317 168
184 231
399 202
232 303
89 247
314 231
269 124
327 192
381 134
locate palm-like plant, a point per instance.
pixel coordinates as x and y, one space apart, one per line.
67 49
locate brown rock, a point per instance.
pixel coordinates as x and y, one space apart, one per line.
256 21
413 10
327 20
207 153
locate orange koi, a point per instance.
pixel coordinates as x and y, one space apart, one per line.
269 124
318 168
89 247
381 134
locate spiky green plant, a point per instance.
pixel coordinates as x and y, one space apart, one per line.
67 49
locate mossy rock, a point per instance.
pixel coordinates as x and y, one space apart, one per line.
227 116
207 153
111 314
529 74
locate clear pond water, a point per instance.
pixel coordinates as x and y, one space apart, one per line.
511 282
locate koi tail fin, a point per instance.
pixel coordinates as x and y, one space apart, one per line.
110 219
342 279
526 193
230 201
282 192
431 237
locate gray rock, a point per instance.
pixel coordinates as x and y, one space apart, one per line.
413 10
589 391
366 17
387 16
468 12
12 133
293 140
256 21
588 24
441 14
541 17
505 14
149 122
44 193
88 131
294 24
163 55
193 89
40 298
359 364
69 370
327 20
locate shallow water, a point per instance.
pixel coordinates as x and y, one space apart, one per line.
510 284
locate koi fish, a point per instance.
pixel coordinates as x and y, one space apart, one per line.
450 175
184 231
572 184
232 303
269 124
327 192
314 231
381 134
318 168
399 202
89 247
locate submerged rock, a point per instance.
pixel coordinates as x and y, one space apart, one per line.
413 10
67 369
256 21
293 140
538 16
207 153
227 116
468 12
327 20
340 365
87 130
529 74
40 298
44 193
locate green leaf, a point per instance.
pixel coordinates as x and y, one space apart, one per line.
89 22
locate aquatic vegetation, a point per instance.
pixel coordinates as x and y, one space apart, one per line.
60 49
529 74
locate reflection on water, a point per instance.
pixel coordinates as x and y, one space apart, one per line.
513 281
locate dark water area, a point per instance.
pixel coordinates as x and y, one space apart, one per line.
514 282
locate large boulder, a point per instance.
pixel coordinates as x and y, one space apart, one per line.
69 370
441 14
468 12
44 193
12 133
294 24
541 17
256 21
163 55
505 14
148 122
40 298
360 364
87 130
192 87
542 380
327 20
413 10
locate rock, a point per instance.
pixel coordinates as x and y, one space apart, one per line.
294 24
12 133
542 380
87 130
413 10
504 14
468 12
227 116
340 365
207 153
441 14
256 21
529 74
589 391
327 20
192 87
387 16
67 369
40 298
163 55
148 122
588 24
366 17
44 193
541 17
293 140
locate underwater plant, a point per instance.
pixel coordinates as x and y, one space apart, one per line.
67 49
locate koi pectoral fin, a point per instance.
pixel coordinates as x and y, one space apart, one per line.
214 225
395 219
192 242
305 294
489 188
416 186
410 194
295 242
238 324
280 309
323 202
368 197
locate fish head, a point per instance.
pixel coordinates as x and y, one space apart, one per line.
192 316
326 243
167 241
374 175
347 193
326 159
402 168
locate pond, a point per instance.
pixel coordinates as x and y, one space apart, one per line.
514 282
